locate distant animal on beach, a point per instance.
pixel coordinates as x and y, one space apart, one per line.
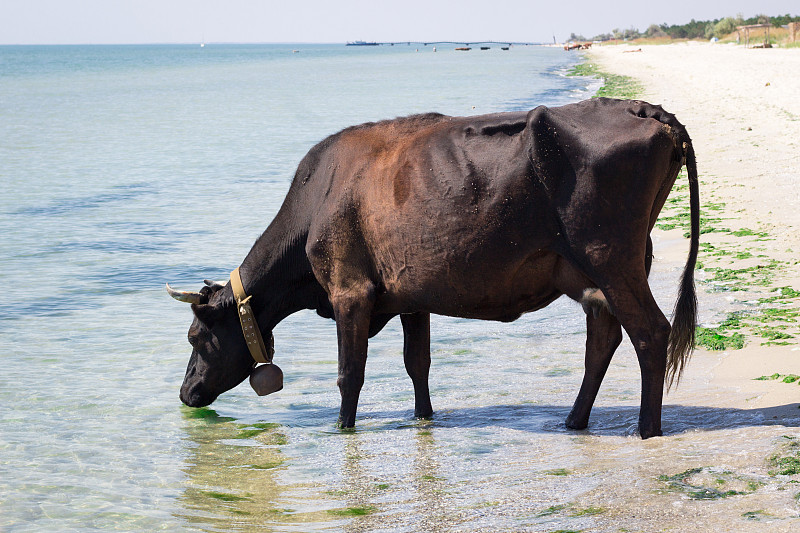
485 217
577 46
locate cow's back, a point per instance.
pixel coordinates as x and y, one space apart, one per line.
469 215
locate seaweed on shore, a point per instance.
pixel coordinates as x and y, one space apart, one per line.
706 483
783 378
713 339
614 85
786 462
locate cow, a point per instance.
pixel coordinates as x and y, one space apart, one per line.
484 217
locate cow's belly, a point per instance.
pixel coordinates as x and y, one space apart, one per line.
484 287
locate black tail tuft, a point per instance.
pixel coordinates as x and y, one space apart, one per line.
682 335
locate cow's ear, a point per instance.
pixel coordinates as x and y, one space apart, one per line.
205 313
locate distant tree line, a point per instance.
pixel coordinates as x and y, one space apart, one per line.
695 29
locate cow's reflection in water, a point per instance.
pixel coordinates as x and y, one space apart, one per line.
232 470
244 474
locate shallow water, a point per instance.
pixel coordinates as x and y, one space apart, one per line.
125 167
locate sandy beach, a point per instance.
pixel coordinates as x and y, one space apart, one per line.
742 108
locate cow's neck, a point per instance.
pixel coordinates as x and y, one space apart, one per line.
277 274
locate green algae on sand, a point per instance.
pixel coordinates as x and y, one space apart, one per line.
614 85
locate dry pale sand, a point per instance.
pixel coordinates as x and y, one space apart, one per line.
742 110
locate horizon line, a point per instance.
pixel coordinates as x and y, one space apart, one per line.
197 43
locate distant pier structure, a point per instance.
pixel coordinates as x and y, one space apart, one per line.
426 43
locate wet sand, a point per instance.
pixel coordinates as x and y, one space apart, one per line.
742 109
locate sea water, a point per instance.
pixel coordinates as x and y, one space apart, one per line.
125 167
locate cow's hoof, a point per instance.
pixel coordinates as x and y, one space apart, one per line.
576 423
346 424
423 414
646 434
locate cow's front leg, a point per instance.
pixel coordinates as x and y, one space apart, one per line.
417 357
352 311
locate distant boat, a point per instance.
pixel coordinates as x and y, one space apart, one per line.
484 48
464 48
361 43
504 48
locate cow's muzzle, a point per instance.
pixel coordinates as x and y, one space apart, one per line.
193 395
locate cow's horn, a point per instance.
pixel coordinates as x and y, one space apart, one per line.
184 296
215 284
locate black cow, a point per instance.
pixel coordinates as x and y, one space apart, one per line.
482 217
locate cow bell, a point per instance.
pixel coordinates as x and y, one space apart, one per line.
266 379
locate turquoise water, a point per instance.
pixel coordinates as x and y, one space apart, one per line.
125 167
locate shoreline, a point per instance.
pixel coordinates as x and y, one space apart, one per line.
740 107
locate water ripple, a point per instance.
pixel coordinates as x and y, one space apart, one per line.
70 206
94 289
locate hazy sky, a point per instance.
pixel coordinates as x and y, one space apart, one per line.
170 21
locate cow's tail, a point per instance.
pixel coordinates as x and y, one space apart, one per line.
684 322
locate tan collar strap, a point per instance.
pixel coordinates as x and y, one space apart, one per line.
252 335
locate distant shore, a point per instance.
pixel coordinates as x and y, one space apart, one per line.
742 110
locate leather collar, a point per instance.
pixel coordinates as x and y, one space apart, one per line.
252 335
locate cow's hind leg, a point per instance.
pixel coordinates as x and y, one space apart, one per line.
634 306
417 357
352 310
603 336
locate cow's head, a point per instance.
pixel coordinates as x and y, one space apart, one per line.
220 359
